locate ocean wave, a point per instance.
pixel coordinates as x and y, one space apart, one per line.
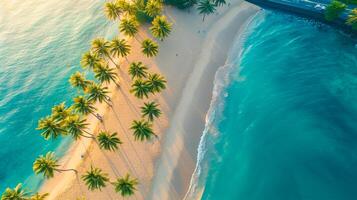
222 80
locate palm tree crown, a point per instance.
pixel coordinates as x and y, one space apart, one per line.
125 186
129 26
89 60
100 47
219 2
50 127
150 110
352 19
160 28
156 83
119 47
39 196
46 165
95 178
97 93
76 126
142 130
138 70
149 48
61 112
82 105
108 141
153 8
18 193
206 7
104 74
140 89
78 80
112 10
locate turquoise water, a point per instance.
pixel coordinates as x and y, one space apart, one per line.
40 46
285 127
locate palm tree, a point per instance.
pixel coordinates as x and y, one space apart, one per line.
125 185
104 74
140 89
50 127
108 141
98 93
160 28
89 60
76 127
206 7
153 8
156 83
95 179
138 70
119 47
39 196
150 110
112 10
47 165
219 2
101 47
83 106
352 19
149 48
129 26
61 112
77 80
127 7
18 193
142 130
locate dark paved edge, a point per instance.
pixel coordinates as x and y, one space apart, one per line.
304 9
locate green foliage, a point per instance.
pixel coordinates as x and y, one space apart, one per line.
108 141
349 1
181 4
78 80
82 105
160 28
95 179
39 196
119 47
138 70
75 126
50 127
206 7
153 8
129 26
156 83
104 74
150 110
46 165
142 130
18 193
149 48
352 19
125 186
334 9
140 89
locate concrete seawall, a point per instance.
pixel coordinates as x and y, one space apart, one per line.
307 9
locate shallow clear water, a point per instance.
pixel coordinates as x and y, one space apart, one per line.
40 46
285 127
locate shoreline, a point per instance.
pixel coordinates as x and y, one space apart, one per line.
175 164
182 110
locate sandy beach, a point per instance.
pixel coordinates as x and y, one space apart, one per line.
188 59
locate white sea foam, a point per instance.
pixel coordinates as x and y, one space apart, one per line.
222 80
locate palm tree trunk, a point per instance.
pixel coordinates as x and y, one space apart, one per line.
65 170
101 120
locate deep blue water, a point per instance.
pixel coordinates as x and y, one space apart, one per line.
285 127
40 46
